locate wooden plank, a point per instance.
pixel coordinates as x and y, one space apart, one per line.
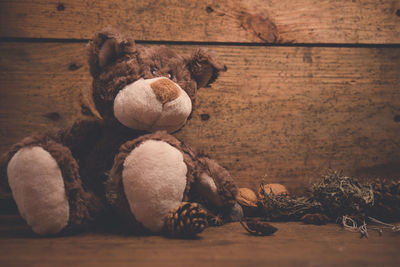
48 93
259 21
294 244
288 112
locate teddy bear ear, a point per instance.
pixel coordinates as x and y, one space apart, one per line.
204 66
107 46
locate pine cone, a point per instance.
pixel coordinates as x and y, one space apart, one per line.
386 200
187 220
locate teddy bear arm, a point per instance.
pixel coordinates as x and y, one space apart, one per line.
216 184
82 135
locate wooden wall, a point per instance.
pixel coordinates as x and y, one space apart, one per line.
311 85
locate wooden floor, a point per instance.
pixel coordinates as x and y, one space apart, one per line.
294 244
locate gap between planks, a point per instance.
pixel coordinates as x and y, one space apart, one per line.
252 21
184 43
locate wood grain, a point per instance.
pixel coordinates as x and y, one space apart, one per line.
290 113
40 91
294 244
254 21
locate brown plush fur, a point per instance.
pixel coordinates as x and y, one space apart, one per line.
88 151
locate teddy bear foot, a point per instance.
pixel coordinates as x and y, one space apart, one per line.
38 189
46 186
154 181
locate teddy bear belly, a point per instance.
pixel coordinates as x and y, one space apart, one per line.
154 180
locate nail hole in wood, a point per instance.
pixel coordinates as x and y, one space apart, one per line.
204 117
396 118
209 9
73 67
60 7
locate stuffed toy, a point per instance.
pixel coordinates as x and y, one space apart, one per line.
127 163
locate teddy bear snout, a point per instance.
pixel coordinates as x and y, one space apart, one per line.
165 90
152 105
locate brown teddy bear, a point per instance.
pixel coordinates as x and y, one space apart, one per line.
127 162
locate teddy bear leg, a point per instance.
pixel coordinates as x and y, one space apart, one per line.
45 184
153 179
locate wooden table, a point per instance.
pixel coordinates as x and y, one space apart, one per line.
294 244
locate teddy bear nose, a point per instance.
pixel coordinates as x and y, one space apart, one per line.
165 90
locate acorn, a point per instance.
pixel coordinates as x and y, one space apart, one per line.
276 189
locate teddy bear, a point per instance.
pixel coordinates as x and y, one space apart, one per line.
127 163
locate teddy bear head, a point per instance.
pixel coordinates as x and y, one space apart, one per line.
146 88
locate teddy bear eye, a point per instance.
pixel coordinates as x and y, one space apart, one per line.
153 71
170 75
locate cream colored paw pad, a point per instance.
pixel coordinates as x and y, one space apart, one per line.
154 180
38 189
